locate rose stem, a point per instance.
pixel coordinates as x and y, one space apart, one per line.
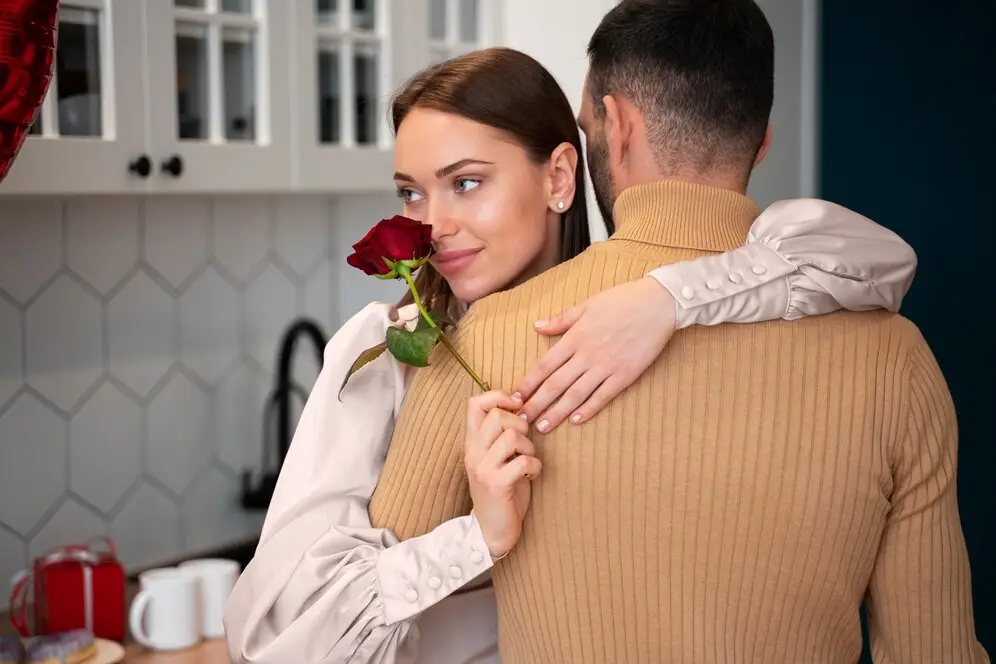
407 275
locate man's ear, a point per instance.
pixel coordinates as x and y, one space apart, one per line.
563 170
618 131
765 144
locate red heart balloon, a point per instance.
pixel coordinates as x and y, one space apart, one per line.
27 52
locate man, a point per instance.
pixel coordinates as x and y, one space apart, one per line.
757 483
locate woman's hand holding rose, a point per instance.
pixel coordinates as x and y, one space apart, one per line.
501 464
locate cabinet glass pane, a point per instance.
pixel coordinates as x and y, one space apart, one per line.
437 19
238 61
468 20
77 64
236 6
329 94
191 81
365 77
439 54
195 4
327 12
363 15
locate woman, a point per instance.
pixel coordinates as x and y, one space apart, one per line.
488 153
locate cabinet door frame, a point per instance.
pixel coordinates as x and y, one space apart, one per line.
52 164
215 165
488 29
346 167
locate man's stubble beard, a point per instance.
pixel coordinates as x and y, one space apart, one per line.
601 181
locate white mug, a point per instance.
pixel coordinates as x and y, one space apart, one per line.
216 577
164 613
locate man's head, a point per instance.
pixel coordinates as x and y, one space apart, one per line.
677 89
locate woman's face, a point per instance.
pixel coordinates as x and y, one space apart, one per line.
493 212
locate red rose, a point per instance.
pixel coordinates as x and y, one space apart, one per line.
396 239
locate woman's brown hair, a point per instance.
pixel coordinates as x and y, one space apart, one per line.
507 90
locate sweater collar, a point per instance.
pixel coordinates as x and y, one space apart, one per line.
683 215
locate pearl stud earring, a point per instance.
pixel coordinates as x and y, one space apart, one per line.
560 204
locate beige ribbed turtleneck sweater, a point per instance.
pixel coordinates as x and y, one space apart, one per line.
737 503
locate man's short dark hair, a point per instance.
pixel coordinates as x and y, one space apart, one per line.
700 71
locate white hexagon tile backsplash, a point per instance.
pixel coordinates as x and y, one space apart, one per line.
11 350
35 469
138 338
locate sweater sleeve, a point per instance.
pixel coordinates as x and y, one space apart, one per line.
325 586
803 257
920 596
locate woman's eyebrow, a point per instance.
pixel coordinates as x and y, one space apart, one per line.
457 165
445 170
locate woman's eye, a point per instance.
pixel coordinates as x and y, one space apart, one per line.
409 196
463 185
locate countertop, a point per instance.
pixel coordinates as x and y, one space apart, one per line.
207 652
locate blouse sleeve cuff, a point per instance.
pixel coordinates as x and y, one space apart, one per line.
419 572
702 288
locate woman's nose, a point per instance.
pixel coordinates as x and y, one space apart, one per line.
443 224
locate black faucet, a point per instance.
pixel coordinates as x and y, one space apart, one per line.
279 400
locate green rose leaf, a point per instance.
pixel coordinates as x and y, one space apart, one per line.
365 358
412 348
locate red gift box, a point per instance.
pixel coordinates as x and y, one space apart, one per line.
76 587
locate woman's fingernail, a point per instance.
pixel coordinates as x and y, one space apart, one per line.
540 323
516 397
524 416
576 418
543 426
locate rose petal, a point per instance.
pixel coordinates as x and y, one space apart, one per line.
360 263
366 239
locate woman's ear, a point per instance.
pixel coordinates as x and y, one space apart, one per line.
563 172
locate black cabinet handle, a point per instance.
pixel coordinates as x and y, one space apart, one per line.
173 166
141 166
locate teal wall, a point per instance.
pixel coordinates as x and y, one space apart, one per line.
908 138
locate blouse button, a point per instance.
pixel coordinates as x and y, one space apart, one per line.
713 284
411 595
435 583
688 292
476 557
736 277
759 269
456 572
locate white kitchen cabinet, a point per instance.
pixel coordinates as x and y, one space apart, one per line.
164 96
218 93
459 26
215 96
92 124
358 53
350 56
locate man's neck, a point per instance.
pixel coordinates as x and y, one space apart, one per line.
734 180
684 215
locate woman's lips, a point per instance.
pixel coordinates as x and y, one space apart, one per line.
451 262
